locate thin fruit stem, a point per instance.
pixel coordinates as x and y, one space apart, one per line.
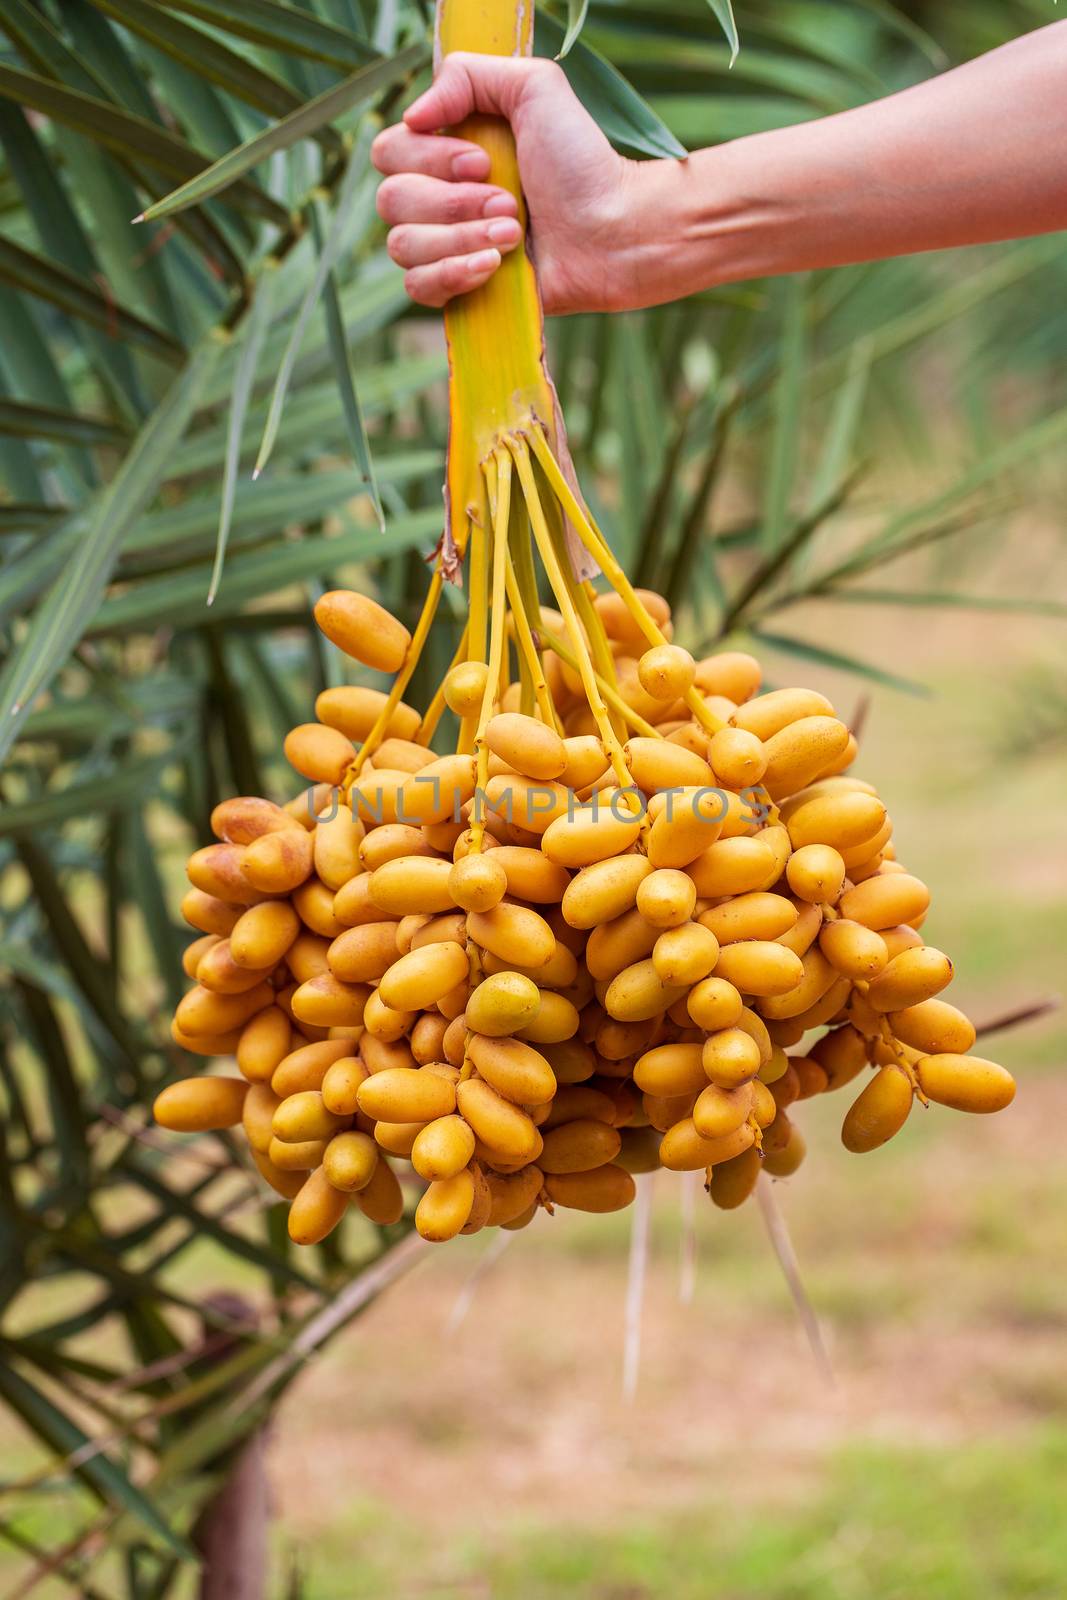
436 707
528 657
479 617
603 660
525 574
479 581
611 695
599 549
895 1047
520 451
500 501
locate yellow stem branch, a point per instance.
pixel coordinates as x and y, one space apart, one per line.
500 501
520 451
528 650
603 660
479 584
435 709
599 548
611 695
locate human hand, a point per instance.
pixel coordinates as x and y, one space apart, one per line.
450 226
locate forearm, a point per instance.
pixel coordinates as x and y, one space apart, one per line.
970 157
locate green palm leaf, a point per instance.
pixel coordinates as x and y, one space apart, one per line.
283 28
307 120
102 1475
62 617
130 136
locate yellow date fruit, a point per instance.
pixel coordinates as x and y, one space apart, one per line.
579 1146
760 967
316 1210
816 873
319 753
935 1027
966 1083
353 711
349 1161
851 948
363 629
406 1094
418 980
199 1105
879 1112
666 898
686 954
733 1181
607 1188
526 745
514 1068
730 1057
910 978
883 902
444 1209
442 1148
263 934
515 934
496 1122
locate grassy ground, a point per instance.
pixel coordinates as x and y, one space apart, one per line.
494 1456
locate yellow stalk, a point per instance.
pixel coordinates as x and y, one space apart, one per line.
495 335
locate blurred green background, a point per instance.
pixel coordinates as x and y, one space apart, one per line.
857 475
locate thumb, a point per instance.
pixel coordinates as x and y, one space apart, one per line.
467 83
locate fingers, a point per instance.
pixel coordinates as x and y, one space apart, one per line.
437 284
398 149
413 197
419 245
468 83
449 229
450 236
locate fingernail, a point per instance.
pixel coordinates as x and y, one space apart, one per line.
483 261
471 164
504 231
501 204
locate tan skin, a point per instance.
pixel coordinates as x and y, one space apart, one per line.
970 157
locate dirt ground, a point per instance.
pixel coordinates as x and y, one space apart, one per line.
519 1408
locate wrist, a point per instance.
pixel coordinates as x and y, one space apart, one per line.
690 225
643 257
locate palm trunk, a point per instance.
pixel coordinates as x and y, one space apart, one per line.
232 1532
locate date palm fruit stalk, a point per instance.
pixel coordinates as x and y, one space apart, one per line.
637 913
